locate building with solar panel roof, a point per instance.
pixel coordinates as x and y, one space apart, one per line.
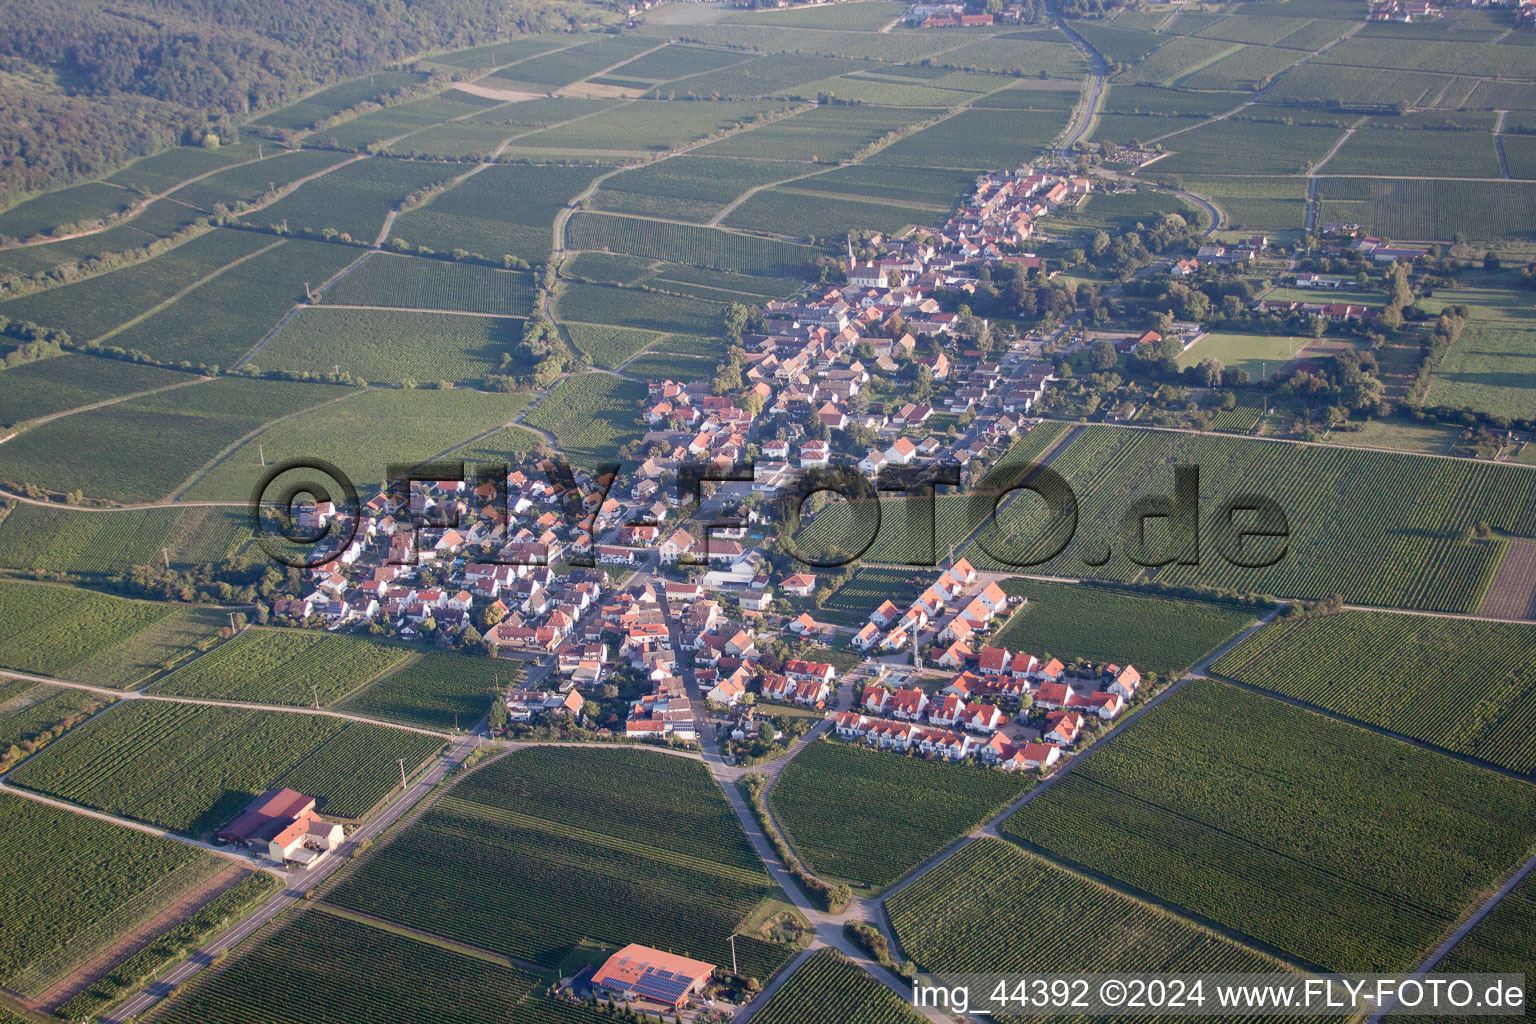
649 976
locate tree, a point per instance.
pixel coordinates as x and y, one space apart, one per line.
1103 356
499 715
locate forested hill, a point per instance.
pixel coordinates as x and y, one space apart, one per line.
85 86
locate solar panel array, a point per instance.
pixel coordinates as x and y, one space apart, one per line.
662 985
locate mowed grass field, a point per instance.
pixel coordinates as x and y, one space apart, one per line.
870 816
1300 832
365 435
1082 622
1459 684
70 886
191 768
616 845
1262 355
86 636
283 666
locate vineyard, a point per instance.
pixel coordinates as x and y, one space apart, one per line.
70 885
1463 685
994 907
1304 833
283 666
36 538
829 989
590 415
1243 417
1503 942
699 246
27 709
395 345
614 845
433 691
307 973
69 381
170 946
870 816
1073 622
1375 527
191 768
651 311
50 629
608 346
384 280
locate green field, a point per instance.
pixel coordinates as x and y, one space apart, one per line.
690 187
1450 154
1093 624
190 768
383 280
1301 832
1459 684
672 366
328 102
591 416
1378 528
143 448
829 989
433 691
602 304
1262 355
641 127
615 845
51 386
34 538
304 973
89 637
392 345
71 885
364 435
870 816
283 666
994 907
29 711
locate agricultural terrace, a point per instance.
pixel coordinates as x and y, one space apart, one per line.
35 538
365 433
71 886
995 907
1378 528
306 972
89 637
1456 683
433 691
283 666
532 854
1299 832
830 989
190 768
870 816
1083 622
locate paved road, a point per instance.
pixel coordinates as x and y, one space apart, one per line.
300 882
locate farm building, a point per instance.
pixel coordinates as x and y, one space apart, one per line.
649 976
281 825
